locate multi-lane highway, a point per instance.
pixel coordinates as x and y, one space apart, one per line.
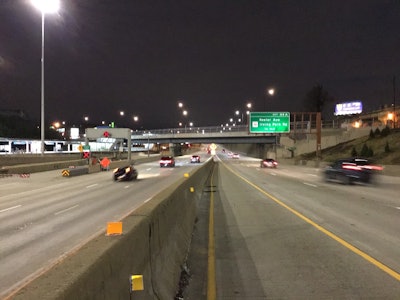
286 234
46 216
276 233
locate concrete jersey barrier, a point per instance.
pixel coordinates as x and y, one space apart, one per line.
155 242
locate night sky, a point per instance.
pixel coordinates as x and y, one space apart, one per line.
142 57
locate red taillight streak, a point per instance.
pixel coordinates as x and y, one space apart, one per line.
372 167
352 168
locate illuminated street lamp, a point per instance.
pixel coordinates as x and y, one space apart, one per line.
45 6
248 105
270 92
239 115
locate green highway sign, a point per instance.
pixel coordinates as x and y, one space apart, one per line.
269 122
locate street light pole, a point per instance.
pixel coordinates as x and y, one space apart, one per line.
45 6
42 132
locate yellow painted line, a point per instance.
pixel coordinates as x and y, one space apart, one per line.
211 286
349 246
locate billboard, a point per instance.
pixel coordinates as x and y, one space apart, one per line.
348 108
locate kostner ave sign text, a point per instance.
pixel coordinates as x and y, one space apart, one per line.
269 122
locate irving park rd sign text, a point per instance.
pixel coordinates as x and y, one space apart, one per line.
269 122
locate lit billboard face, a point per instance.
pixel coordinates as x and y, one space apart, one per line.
348 108
74 133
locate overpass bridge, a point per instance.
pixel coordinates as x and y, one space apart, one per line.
203 135
225 135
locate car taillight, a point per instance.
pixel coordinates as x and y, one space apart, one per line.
351 167
372 167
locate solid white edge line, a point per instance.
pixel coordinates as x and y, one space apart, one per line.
10 208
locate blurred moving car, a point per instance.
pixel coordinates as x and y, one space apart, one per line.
348 171
235 155
126 173
167 161
268 163
195 159
366 164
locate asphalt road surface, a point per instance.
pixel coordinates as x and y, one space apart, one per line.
286 234
45 217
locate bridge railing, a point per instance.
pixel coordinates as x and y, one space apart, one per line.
295 126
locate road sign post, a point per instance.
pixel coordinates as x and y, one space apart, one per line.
269 122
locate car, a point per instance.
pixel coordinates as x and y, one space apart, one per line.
195 159
125 173
167 161
268 163
236 155
366 164
347 171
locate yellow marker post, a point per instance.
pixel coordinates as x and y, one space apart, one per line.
136 283
191 189
114 228
186 175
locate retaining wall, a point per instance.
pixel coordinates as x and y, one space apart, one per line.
155 242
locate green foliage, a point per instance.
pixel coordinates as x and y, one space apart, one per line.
385 131
354 152
371 134
366 151
387 148
370 152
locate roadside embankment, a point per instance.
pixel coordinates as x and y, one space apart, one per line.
154 243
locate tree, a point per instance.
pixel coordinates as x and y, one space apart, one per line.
364 151
387 148
354 152
316 99
371 134
385 131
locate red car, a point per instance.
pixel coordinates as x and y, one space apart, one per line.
167 161
195 159
269 163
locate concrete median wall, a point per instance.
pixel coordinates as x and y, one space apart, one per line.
28 165
155 242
